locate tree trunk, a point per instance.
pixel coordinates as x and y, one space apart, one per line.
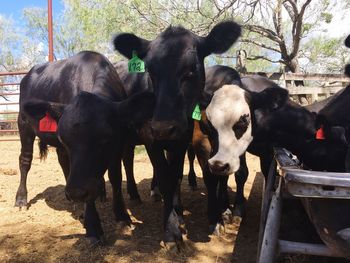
293 66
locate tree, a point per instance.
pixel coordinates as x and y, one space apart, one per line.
8 43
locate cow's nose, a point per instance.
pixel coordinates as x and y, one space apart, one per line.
218 166
76 194
164 130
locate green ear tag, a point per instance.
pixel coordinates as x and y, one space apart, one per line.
196 114
136 64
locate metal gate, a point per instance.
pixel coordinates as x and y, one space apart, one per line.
9 95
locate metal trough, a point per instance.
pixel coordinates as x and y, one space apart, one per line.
325 197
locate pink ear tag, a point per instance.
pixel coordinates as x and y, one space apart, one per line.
320 134
47 124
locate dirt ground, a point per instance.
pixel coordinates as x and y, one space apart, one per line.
50 230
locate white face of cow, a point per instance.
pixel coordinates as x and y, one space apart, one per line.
229 114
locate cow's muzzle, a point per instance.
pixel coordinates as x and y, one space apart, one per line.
167 130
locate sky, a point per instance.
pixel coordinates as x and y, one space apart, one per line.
13 8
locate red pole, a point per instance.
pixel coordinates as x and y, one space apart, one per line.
49 22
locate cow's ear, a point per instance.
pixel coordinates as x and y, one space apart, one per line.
126 43
137 108
347 70
270 98
220 38
37 109
205 99
347 41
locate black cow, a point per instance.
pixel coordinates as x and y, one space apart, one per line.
85 97
175 66
133 82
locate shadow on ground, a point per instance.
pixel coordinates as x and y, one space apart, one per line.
141 243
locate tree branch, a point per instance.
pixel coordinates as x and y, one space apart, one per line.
263 31
265 58
260 45
298 27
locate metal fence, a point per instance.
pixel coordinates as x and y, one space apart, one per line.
316 87
9 94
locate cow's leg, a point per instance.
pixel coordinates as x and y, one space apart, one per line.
211 182
192 181
176 164
92 224
27 137
241 177
155 192
265 162
202 150
223 198
168 181
63 160
128 161
115 178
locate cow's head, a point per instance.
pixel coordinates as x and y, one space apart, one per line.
175 63
92 128
230 115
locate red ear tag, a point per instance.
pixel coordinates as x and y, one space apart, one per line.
47 124
320 134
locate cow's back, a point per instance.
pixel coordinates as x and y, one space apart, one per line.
60 81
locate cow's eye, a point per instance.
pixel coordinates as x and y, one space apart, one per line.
241 126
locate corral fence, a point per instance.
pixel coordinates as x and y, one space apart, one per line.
315 87
9 97
311 87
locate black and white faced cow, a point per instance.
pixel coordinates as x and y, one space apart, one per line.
82 97
175 64
228 119
273 124
232 123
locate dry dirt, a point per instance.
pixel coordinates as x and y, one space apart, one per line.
50 230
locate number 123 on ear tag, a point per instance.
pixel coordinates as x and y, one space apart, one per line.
135 64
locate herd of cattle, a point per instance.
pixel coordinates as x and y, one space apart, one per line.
102 111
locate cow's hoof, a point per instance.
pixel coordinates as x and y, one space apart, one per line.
217 230
227 216
174 247
173 232
155 195
96 241
21 202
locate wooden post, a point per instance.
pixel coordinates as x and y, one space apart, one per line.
241 60
269 244
49 23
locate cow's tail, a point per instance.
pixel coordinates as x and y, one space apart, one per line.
43 150
347 67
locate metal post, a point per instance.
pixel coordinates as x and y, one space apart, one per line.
49 22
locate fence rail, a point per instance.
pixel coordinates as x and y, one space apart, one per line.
331 83
302 76
8 124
